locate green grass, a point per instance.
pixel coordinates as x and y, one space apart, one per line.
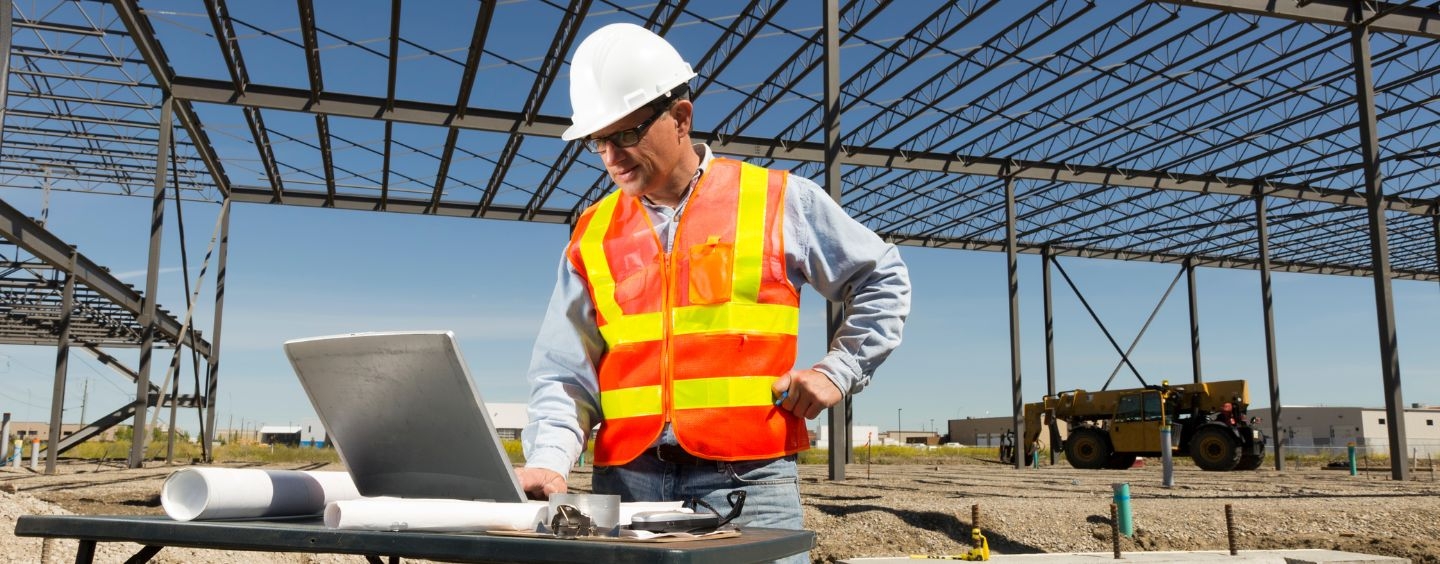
186 452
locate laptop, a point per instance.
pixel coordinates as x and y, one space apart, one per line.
404 415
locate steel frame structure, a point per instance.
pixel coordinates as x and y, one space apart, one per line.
1274 136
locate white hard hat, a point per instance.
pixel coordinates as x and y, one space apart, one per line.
616 70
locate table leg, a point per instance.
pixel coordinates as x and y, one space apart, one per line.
86 553
144 555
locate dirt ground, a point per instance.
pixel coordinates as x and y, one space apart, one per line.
897 510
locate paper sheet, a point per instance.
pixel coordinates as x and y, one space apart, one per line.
395 514
237 493
450 515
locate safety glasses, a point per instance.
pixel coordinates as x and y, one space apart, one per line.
737 504
630 137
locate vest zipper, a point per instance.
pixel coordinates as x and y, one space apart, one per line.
670 290
667 364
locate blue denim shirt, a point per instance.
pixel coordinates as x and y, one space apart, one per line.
840 258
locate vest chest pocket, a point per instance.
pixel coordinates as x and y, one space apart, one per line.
711 271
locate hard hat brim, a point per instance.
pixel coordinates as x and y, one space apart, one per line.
585 129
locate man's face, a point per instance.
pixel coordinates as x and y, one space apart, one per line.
645 167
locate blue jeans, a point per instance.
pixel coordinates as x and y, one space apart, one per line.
772 488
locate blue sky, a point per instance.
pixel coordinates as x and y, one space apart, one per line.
300 272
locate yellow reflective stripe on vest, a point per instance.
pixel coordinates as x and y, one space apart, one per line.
592 252
749 234
733 391
737 318
634 328
630 402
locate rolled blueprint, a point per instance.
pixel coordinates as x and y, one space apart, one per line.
395 514
237 493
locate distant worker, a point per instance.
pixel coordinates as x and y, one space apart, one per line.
674 317
1227 414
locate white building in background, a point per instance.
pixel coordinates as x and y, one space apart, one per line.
859 435
509 418
1306 429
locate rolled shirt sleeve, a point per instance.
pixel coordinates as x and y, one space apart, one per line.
847 263
564 390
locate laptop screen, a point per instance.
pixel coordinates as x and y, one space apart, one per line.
404 415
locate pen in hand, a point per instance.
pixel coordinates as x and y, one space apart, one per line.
783 395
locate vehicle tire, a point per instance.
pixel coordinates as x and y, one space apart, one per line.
1088 448
1250 461
1120 461
1215 448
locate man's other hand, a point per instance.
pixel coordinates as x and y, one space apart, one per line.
810 392
539 483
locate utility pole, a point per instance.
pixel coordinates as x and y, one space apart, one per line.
84 398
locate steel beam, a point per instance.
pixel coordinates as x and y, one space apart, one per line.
1189 264
1379 251
1267 302
252 194
7 36
25 233
834 313
422 113
141 434
212 375
138 26
1045 260
1163 257
544 79
62 366
462 102
1405 19
317 85
1012 270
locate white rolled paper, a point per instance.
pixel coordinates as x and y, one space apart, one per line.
451 515
237 493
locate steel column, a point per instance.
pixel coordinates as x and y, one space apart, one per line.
1379 251
834 313
62 364
1194 320
1013 283
212 378
1045 259
1268 306
152 281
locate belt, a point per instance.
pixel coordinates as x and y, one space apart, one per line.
675 454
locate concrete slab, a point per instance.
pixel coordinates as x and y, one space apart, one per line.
1304 556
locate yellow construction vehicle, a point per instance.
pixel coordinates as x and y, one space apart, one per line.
1109 429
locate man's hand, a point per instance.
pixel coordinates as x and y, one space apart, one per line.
539 483
810 392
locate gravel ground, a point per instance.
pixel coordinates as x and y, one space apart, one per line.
896 510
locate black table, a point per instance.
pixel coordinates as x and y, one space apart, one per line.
311 535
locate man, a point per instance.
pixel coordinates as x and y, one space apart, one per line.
674 318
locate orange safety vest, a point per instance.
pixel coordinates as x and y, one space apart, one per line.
698 336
